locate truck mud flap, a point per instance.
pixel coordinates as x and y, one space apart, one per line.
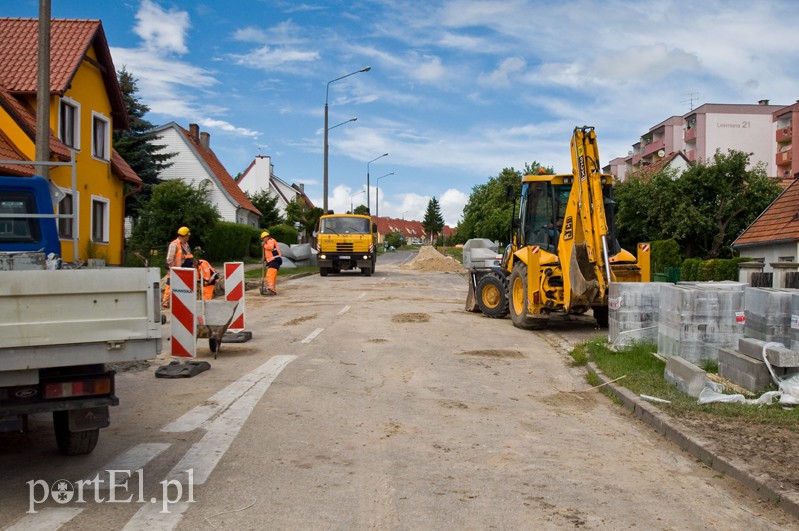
88 419
176 369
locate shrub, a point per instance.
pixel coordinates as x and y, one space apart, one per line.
690 269
226 241
284 233
665 253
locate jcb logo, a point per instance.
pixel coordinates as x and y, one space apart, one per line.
568 228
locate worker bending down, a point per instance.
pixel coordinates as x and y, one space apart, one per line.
208 276
273 258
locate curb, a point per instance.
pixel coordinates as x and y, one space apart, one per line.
762 485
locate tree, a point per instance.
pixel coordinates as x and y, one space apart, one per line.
174 204
488 213
433 221
308 217
136 145
362 210
704 209
267 204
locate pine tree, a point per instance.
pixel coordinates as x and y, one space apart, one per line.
136 146
433 221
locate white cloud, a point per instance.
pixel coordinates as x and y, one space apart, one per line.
164 31
500 76
452 202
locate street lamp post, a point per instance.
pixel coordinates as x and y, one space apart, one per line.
367 180
327 91
377 199
352 208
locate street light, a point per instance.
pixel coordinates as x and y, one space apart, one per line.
352 209
327 91
353 119
367 180
377 199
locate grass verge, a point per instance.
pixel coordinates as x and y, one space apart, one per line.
256 273
642 373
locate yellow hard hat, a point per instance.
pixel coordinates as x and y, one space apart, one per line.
264 234
183 231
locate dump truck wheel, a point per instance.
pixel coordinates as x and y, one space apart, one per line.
601 316
492 298
367 271
323 271
73 442
517 298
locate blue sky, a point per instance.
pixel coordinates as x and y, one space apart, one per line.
458 90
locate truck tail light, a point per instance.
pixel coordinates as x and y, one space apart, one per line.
87 387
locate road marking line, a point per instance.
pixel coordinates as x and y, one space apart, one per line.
130 461
312 335
343 310
195 418
47 518
204 455
362 295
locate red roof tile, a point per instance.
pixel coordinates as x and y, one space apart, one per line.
25 118
69 42
220 172
123 170
779 222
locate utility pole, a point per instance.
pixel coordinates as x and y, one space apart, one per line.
43 92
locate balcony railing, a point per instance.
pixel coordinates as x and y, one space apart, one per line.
785 134
653 147
691 155
689 134
784 158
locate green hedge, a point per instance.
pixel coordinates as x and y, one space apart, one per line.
665 254
716 269
228 241
690 269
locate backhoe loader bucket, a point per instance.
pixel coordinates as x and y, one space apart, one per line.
582 275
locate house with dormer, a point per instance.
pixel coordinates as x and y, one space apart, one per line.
260 176
195 163
86 105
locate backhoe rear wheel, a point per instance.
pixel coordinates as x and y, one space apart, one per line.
492 297
517 298
601 316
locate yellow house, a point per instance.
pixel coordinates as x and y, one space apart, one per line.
86 105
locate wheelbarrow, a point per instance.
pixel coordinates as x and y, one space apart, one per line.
213 321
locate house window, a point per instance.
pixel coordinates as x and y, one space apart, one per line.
69 123
101 137
100 219
65 225
785 259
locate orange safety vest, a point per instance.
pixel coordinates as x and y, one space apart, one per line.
207 273
182 253
271 249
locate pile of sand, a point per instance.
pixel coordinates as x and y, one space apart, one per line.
428 259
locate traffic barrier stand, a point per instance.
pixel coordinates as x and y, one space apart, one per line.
234 292
183 301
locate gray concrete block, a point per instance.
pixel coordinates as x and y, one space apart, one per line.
686 376
778 355
747 372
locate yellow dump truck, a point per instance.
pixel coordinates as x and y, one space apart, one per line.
344 242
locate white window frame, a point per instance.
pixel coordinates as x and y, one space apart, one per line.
106 154
75 125
75 209
106 218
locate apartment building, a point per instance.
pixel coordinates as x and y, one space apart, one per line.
787 156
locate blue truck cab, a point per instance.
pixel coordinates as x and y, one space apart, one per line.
32 230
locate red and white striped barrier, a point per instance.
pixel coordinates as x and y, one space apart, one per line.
234 292
183 301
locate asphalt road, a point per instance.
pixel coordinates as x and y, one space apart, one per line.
375 403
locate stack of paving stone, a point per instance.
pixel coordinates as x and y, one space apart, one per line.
697 318
633 312
768 314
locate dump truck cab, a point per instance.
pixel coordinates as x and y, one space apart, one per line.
346 242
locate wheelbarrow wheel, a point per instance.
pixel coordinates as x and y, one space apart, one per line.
213 344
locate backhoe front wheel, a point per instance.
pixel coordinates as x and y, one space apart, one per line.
601 316
518 302
492 298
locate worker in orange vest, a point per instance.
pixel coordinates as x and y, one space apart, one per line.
208 276
273 258
178 255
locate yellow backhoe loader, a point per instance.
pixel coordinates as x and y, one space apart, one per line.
563 253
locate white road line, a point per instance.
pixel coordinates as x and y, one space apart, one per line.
204 455
195 418
362 295
343 310
45 519
130 461
312 335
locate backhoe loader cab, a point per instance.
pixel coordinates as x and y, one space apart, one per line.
564 253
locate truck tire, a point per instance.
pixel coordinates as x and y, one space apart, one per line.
601 316
367 271
492 297
517 301
73 442
323 271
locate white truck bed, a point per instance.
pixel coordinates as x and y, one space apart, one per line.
77 317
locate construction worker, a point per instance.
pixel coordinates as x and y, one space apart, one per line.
178 255
273 258
208 276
